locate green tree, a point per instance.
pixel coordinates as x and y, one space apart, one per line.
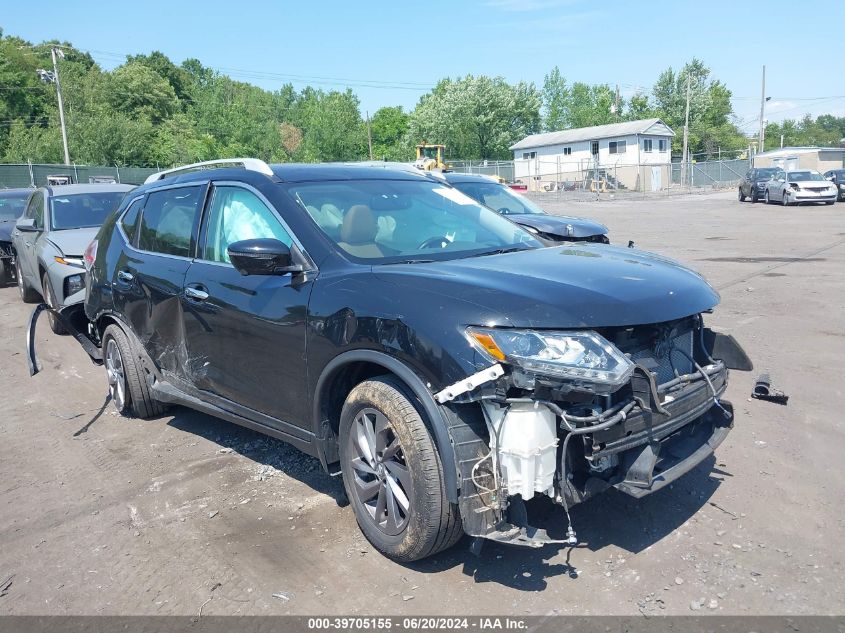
138 91
331 124
477 117
389 127
711 126
557 99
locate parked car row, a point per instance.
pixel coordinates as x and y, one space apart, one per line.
442 359
773 184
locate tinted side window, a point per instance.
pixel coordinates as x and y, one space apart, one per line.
238 214
36 209
168 220
129 221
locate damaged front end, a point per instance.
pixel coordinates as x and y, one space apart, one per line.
570 414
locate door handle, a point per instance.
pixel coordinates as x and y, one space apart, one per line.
125 276
196 293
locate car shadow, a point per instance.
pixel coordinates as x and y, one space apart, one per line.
262 449
610 519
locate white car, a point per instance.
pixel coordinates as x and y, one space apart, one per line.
795 187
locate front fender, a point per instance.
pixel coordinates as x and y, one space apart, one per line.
439 427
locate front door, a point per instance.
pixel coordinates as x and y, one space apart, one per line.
245 335
26 242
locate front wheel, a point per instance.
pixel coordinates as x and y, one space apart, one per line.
766 198
741 195
393 474
784 199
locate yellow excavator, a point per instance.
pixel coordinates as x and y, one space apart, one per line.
430 157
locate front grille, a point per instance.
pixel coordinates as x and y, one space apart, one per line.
6 249
658 347
816 189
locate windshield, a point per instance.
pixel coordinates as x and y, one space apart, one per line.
804 175
766 173
385 221
82 210
499 197
12 205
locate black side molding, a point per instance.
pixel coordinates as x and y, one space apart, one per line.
87 344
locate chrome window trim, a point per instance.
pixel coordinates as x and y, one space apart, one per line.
183 185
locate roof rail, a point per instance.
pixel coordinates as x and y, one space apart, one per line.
252 164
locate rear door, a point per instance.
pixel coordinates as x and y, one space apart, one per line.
148 278
246 334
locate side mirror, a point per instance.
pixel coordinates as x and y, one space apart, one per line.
26 225
781 179
831 178
263 256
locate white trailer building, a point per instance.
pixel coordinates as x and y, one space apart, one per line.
631 155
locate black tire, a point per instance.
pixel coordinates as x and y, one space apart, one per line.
28 295
829 201
754 198
766 198
136 398
50 300
4 274
431 523
741 195
784 199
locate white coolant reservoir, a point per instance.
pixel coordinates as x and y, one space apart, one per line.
526 438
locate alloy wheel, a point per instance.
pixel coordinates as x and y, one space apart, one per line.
116 374
380 475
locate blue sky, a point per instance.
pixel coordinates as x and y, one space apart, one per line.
389 53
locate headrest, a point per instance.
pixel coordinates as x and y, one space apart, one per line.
359 225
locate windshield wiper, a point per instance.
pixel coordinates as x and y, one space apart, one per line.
500 251
411 261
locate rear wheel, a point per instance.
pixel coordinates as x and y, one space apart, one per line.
50 300
128 386
28 295
393 474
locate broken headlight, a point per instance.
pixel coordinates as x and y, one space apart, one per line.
583 356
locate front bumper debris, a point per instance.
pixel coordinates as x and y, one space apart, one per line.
65 316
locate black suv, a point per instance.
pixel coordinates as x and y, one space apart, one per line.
753 184
421 344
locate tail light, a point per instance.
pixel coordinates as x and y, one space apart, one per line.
90 255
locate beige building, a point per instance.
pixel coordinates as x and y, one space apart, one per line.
821 159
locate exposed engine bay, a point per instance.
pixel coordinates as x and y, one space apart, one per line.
645 409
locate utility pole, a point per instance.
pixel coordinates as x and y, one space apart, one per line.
53 51
369 136
616 105
685 158
762 135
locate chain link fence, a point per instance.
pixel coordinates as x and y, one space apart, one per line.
557 175
35 175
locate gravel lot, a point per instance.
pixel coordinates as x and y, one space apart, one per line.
104 515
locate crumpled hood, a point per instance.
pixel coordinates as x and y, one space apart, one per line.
573 286
6 229
561 225
73 242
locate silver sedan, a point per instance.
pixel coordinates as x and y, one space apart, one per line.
795 187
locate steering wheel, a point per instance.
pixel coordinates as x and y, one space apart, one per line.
435 242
